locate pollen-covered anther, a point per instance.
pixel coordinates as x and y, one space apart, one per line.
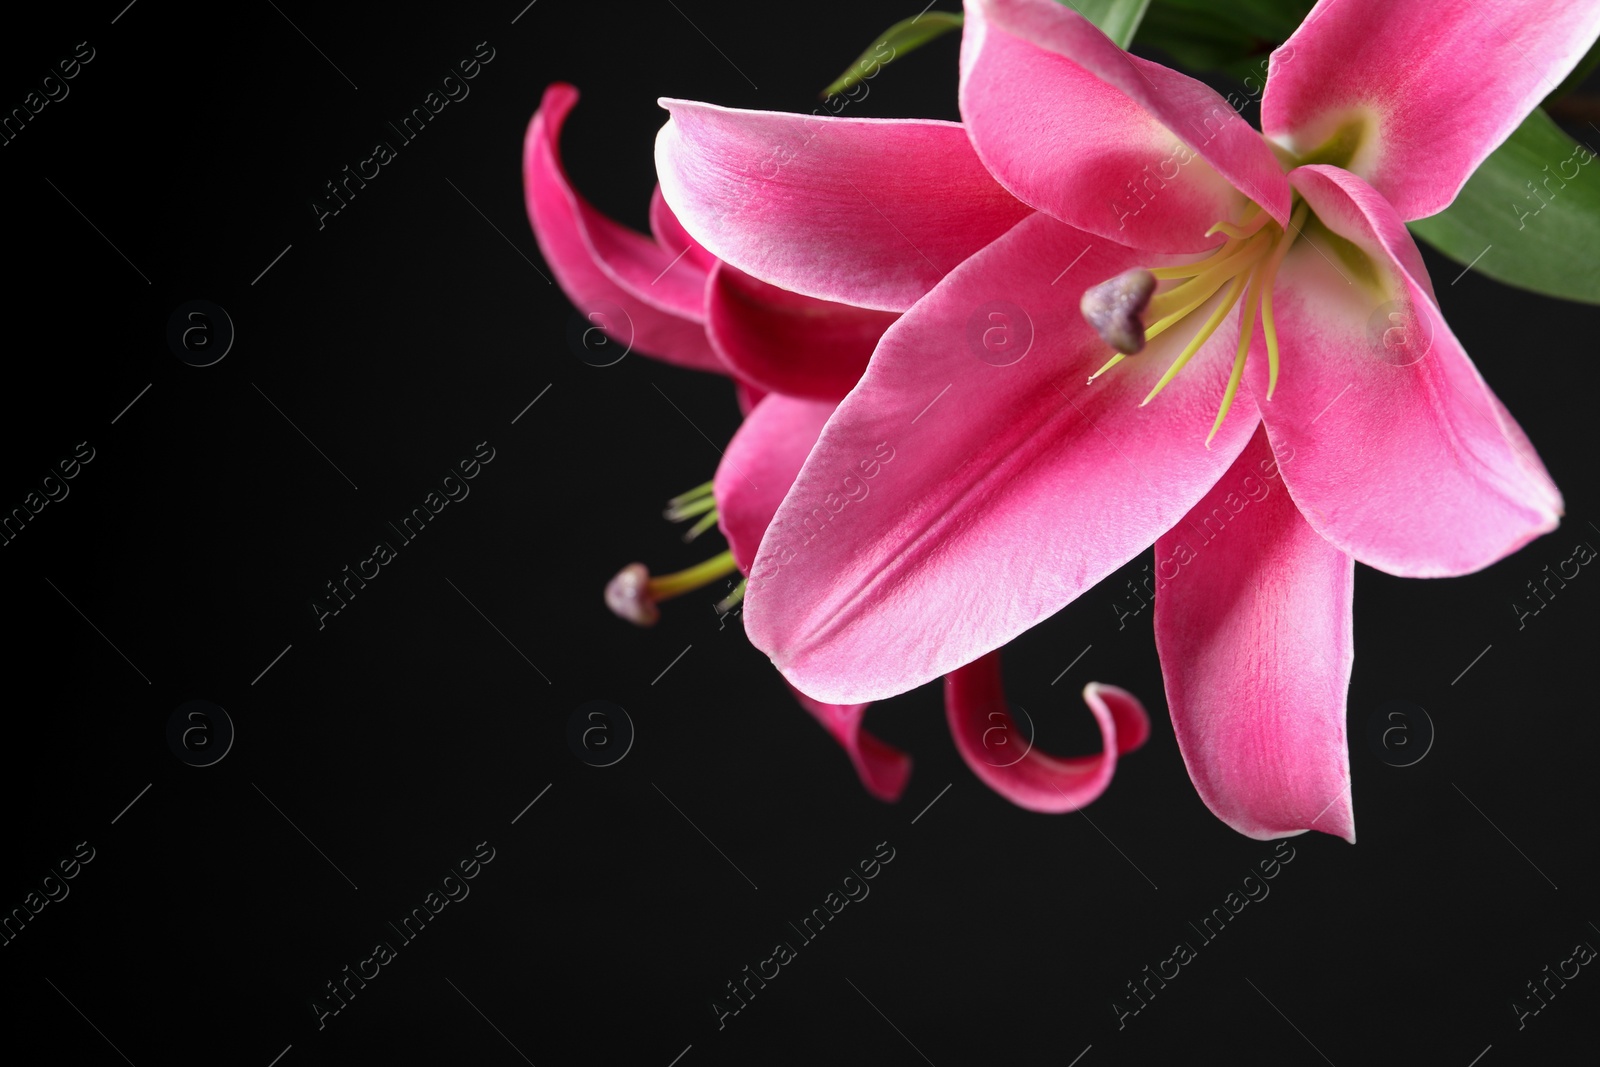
1114 308
628 595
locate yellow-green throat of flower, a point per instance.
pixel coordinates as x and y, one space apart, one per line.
1127 310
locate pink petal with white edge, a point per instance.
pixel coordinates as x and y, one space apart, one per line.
760 465
1391 442
882 768
601 264
671 235
870 212
1004 757
788 343
1253 626
952 503
1079 128
1439 84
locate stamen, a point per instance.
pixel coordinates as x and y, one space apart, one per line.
1253 222
1269 330
634 595
1162 325
1189 270
1246 330
689 509
1198 290
702 526
1247 263
1112 362
731 601
1113 308
694 494
1200 338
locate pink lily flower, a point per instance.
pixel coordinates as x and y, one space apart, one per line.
683 306
1351 425
792 357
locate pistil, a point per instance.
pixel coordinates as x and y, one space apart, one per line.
634 595
1113 308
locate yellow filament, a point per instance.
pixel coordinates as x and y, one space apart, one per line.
1200 338
1189 270
701 574
693 494
1112 362
1269 329
689 509
1208 281
1162 325
1249 258
1254 220
1200 291
1269 333
706 522
1260 288
729 602
1247 319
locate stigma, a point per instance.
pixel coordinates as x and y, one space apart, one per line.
1113 308
1127 310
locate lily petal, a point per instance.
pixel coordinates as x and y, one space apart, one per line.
1421 91
882 768
599 262
1102 139
671 235
788 343
1254 632
1390 441
747 395
1003 756
758 468
870 212
952 503
760 465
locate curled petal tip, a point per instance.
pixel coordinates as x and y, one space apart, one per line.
882 768
629 597
1131 721
1003 755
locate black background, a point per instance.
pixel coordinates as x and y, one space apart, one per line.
381 749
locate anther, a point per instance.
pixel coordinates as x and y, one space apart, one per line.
1114 308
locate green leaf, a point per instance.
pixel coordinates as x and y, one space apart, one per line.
1117 19
904 36
1205 35
1534 205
